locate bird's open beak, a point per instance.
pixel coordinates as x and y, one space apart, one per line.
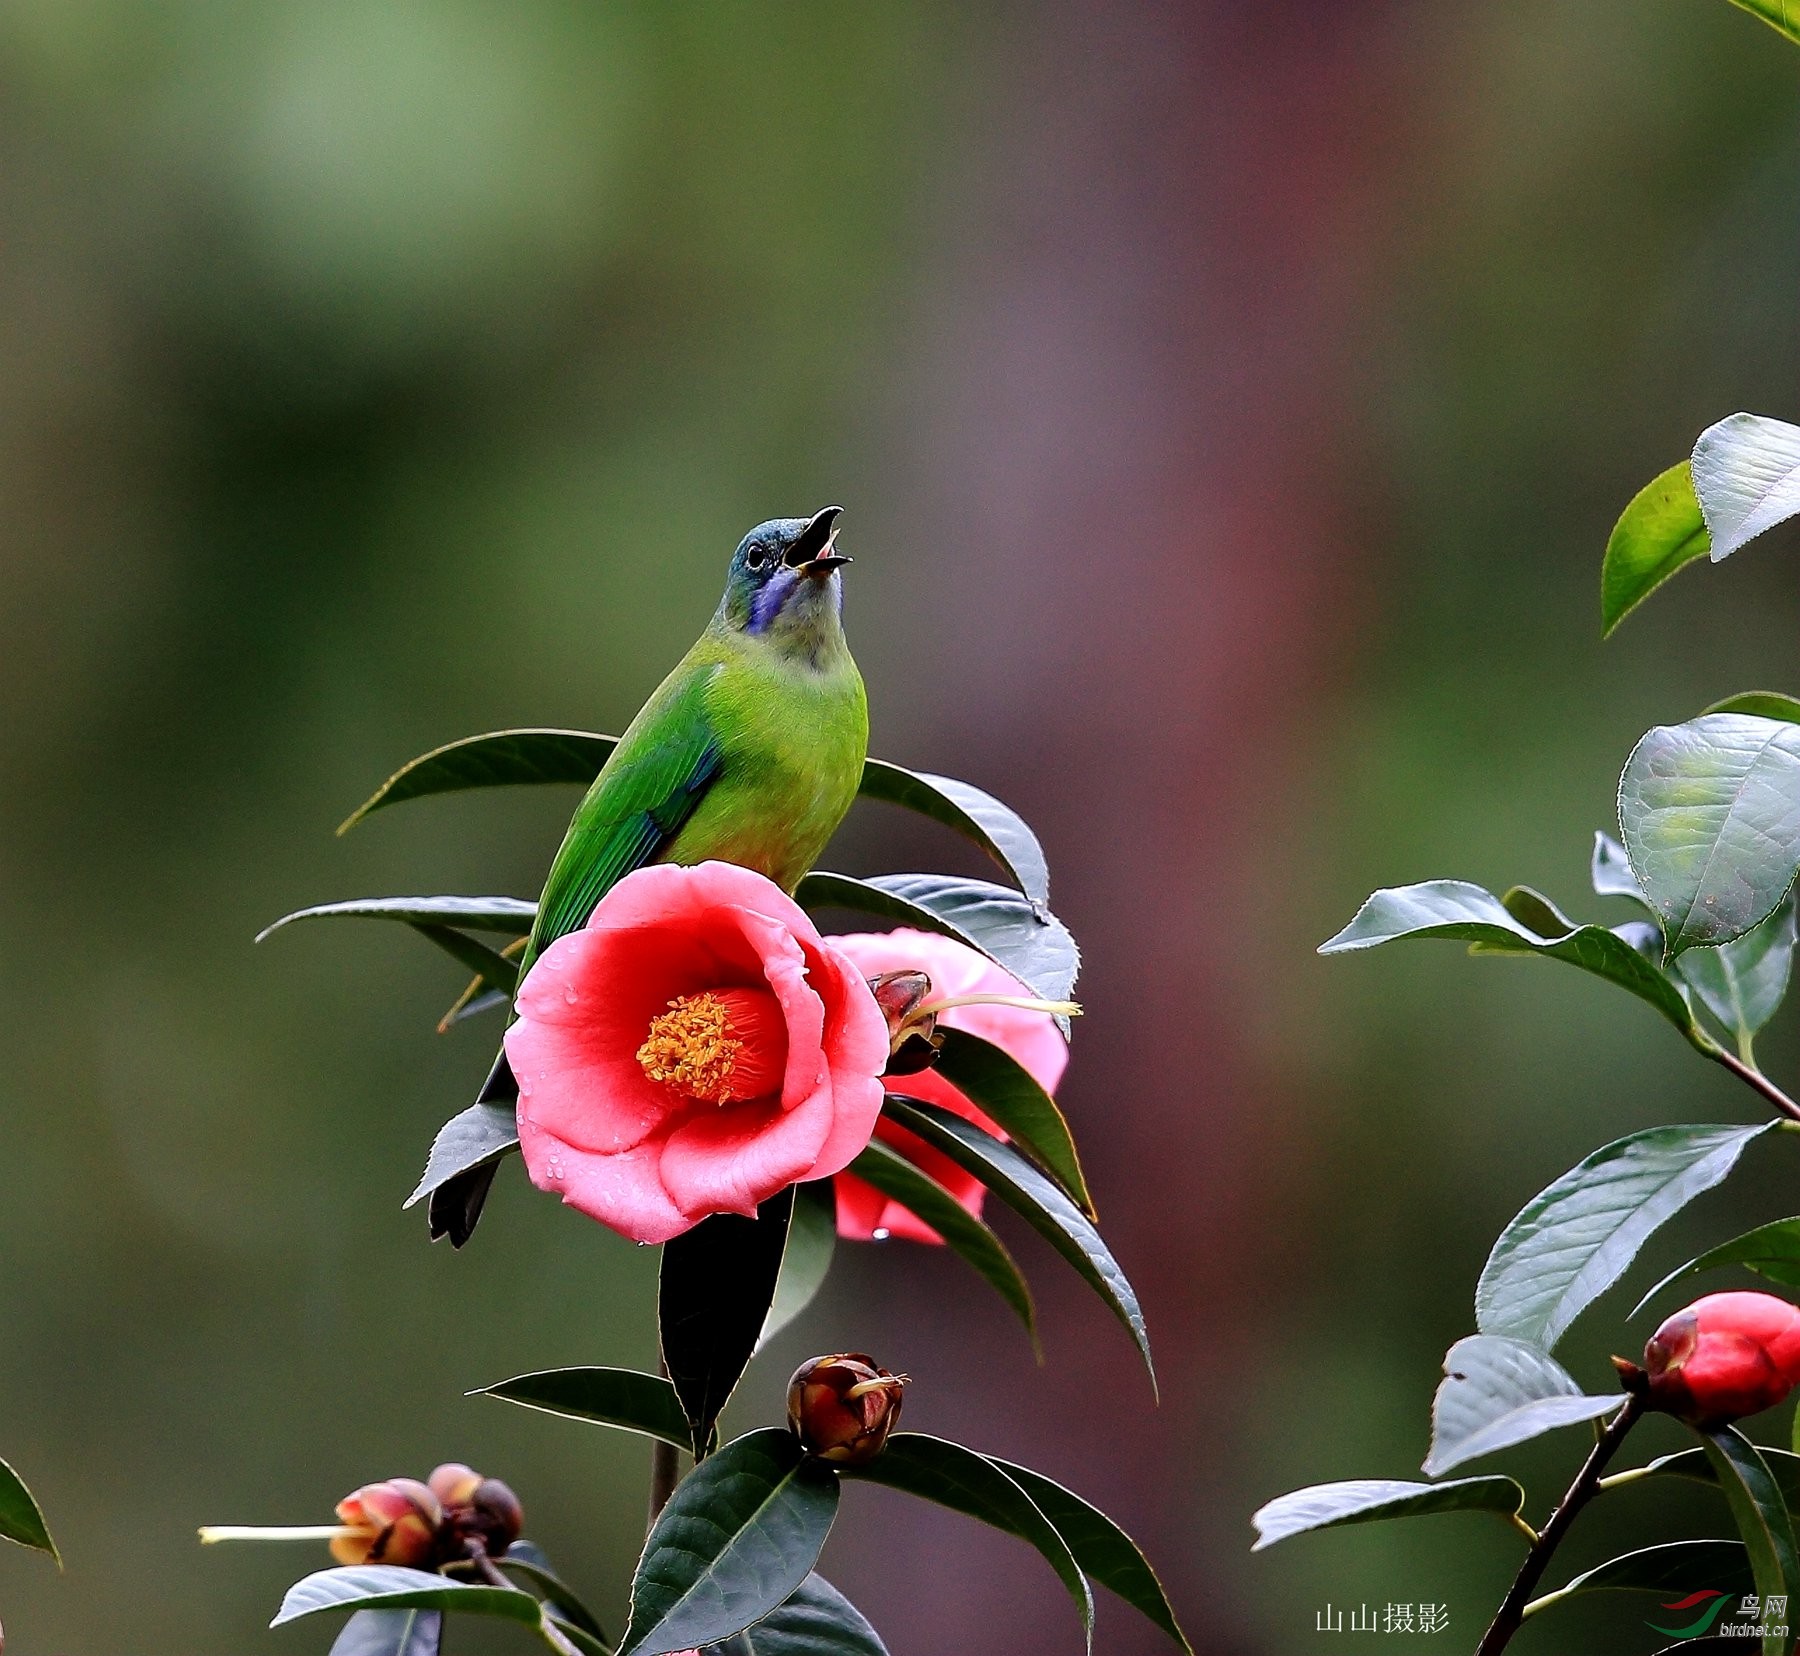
815 552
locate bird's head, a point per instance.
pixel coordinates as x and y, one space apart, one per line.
784 584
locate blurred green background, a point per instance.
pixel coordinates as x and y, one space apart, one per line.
1230 402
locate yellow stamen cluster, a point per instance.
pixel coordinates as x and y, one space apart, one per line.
693 1048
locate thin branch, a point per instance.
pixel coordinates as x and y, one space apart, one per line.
1753 1077
1587 1483
665 1466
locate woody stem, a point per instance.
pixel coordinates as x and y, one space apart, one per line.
1511 1613
665 1467
1751 1076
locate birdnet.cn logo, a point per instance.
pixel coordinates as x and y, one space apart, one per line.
1756 1616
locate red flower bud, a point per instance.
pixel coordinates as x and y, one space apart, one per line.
478 1509
393 1522
843 1407
913 1039
1724 1357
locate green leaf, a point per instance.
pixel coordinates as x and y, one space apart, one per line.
20 1519
1660 532
712 1299
1035 1198
1610 869
1497 1392
391 1633
1760 704
965 1481
389 1587
1693 1465
511 915
1029 942
1573 1240
1746 470
1778 14
526 1559
817 1621
1456 909
977 816
1370 1500
1771 1250
1743 982
584 1642
893 1175
1710 812
1101 1548
805 1261
991 1077
478 1137
1677 1567
501 758
492 967
1761 1516
624 1398
740 1534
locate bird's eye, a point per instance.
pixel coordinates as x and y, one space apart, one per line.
757 557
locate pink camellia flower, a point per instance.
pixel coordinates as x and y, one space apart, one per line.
1032 1038
695 1048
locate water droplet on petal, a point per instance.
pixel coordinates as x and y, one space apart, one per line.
881 1233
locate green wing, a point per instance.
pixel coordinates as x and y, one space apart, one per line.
659 772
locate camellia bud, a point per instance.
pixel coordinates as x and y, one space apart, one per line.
393 1522
843 1407
478 1509
1724 1357
913 1038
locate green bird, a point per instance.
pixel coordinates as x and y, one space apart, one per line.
750 752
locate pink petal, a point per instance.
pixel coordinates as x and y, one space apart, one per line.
726 1160
622 1191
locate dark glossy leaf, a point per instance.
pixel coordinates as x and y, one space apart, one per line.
1761 1516
1573 1241
1771 1250
934 1469
1030 943
1747 467
713 1296
1760 704
391 1633
526 1563
1694 1465
1710 813
1676 1567
501 758
624 1398
1660 532
806 1260
1778 14
1035 1198
1456 909
1370 1500
389 1587
1007 1091
489 965
978 816
511 915
740 1534
1743 982
479 1137
454 1207
817 1621
20 1519
893 1175
1610 869
1101 1548
1498 1392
